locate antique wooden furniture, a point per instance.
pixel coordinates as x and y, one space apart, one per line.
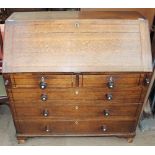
76 73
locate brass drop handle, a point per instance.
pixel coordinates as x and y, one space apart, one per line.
104 128
106 112
147 81
47 129
45 113
109 97
44 97
110 83
43 84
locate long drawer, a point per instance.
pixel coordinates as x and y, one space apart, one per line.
76 127
76 111
36 95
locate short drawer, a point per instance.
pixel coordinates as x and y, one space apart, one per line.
77 111
75 127
28 80
112 81
36 95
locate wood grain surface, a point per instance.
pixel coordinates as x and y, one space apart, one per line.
76 42
75 127
76 111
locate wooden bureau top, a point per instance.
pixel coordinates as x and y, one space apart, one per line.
51 15
76 42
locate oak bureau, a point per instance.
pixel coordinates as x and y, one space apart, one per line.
76 73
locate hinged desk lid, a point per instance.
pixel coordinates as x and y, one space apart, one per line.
76 42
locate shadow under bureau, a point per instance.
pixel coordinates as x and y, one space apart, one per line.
76 73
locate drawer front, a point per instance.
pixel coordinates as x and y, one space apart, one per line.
76 94
76 111
35 80
75 127
112 80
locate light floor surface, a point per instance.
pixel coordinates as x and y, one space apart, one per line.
7 136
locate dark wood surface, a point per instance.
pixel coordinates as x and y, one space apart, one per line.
67 112
132 95
77 111
75 127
